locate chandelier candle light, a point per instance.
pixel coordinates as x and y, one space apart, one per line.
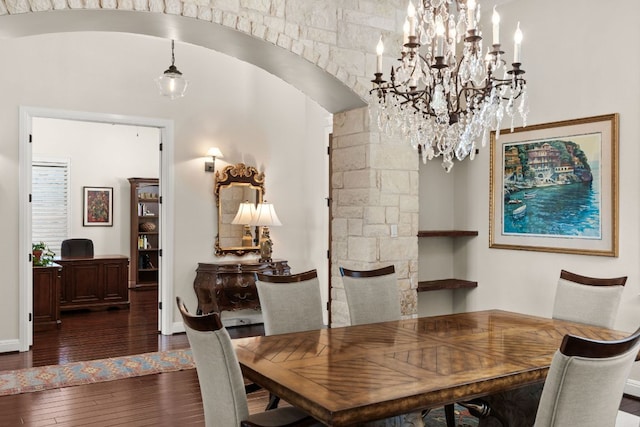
445 95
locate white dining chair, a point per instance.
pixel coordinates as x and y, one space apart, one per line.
372 295
290 303
221 383
590 300
586 381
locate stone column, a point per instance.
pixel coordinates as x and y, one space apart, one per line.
375 192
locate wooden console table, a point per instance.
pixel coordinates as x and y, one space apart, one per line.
46 297
231 285
94 282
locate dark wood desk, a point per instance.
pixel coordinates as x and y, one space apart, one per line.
346 376
230 285
97 282
46 296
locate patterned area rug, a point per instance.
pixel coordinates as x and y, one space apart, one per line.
463 418
78 373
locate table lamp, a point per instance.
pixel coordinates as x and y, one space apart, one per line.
245 214
265 217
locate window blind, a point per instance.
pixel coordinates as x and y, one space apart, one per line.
50 202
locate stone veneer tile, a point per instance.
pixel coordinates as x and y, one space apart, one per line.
349 159
375 230
156 5
349 122
375 215
226 5
125 4
205 13
141 5
362 248
361 178
189 10
354 227
395 182
40 5
392 214
262 6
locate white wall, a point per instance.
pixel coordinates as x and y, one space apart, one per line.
580 60
252 116
101 155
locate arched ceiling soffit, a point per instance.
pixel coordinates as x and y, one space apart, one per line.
321 86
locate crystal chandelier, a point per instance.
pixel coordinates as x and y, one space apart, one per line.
445 95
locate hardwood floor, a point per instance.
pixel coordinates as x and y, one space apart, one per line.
168 399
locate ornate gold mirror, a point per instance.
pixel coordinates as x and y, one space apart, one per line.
235 185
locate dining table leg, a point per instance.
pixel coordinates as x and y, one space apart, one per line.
514 407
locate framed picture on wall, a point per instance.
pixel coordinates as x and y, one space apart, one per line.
97 207
554 187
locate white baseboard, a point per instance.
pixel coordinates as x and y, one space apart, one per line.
9 345
632 388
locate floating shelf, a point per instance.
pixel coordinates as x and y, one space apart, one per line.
447 233
436 285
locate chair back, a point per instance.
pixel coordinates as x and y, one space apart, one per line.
219 374
588 300
586 381
72 248
290 303
372 295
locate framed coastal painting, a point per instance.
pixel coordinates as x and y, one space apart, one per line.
554 187
97 207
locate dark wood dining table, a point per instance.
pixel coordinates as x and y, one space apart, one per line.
351 375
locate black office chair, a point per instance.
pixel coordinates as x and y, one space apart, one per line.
72 248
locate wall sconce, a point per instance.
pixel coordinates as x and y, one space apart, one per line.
246 212
213 153
265 216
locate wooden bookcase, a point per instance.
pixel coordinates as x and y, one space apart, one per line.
145 232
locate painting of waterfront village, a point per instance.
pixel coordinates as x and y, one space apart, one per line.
554 187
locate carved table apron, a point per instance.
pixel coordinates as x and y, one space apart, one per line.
230 285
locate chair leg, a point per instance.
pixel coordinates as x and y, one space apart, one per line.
449 415
481 409
273 402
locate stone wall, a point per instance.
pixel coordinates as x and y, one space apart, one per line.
374 188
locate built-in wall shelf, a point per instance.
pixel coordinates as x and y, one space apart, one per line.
447 233
436 285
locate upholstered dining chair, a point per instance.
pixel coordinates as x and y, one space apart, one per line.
290 303
588 300
372 295
586 381
220 378
76 248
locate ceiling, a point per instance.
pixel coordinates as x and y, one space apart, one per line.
322 87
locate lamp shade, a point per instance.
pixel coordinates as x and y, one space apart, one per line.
245 214
265 215
215 152
171 83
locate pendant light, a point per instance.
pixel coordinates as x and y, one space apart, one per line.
171 83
